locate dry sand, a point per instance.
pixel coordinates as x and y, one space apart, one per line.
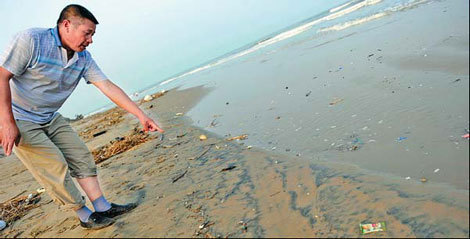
183 190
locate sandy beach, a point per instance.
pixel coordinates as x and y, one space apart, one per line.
342 129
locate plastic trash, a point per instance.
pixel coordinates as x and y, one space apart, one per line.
465 136
401 139
372 227
148 98
3 224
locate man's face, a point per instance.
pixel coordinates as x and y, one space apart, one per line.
78 34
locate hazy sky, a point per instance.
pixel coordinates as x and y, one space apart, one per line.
140 43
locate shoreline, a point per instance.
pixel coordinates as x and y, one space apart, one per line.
188 187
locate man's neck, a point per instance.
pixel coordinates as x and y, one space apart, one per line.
69 54
69 51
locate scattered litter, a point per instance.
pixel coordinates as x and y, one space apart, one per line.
279 117
273 148
137 137
465 136
399 139
298 129
175 179
308 93
457 80
374 227
148 98
370 55
99 133
365 128
381 121
423 179
202 154
249 147
371 141
228 168
179 114
436 170
202 137
40 190
3 224
408 178
336 101
334 126
241 137
353 116
18 206
213 123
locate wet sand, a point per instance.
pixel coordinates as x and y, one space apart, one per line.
183 190
293 183
396 88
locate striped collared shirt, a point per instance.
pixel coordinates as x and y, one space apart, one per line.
43 76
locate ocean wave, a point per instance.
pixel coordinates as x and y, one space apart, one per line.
341 7
334 13
385 12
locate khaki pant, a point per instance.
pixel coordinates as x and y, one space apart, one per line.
54 153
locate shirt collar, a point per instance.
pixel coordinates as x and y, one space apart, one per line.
55 33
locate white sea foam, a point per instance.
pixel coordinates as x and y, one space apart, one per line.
385 12
345 25
341 7
334 14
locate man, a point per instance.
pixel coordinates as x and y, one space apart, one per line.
38 72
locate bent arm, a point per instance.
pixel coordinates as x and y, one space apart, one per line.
120 98
9 133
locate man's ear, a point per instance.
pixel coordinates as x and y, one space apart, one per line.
66 23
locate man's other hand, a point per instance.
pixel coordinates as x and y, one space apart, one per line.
9 136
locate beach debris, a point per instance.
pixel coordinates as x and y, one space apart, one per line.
228 168
18 206
278 117
151 106
202 137
308 93
3 224
249 147
226 103
240 137
202 154
243 226
372 227
465 136
115 147
336 101
371 55
40 190
401 138
408 178
423 179
148 98
175 179
457 80
287 87
179 114
99 133
213 123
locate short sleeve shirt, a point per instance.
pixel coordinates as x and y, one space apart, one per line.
43 77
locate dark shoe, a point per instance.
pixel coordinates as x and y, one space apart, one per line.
96 221
117 210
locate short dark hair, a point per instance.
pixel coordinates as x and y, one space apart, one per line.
75 10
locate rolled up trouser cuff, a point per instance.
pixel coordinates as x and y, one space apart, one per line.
84 173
